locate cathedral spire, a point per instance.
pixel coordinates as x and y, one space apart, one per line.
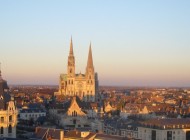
71 48
90 60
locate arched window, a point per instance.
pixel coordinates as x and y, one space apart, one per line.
75 113
2 130
10 129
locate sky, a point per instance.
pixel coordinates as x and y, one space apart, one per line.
134 42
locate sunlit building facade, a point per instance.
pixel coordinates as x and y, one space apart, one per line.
8 112
85 85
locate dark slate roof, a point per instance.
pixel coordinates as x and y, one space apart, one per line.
4 97
32 111
34 106
82 104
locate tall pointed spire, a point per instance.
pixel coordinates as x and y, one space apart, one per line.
71 48
90 60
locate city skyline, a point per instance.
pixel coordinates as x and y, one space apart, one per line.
133 43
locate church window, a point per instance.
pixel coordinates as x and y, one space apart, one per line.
10 129
72 82
2 119
74 113
70 70
2 130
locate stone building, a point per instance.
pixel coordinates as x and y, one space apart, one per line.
85 85
8 112
73 114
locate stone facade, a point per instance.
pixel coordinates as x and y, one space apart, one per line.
71 115
85 85
8 112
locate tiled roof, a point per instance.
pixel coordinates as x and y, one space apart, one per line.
167 123
109 137
43 133
32 111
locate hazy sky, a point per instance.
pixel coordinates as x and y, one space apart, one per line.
134 42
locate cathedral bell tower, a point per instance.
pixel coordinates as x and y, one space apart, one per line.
71 62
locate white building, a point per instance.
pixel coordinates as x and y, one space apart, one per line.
165 129
34 114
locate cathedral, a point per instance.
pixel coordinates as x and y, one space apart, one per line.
85 86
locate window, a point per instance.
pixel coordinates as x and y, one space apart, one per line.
10 129
74 113
74 121
10 118
2 119
2 130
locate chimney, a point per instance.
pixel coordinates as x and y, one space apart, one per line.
37 129
61 135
